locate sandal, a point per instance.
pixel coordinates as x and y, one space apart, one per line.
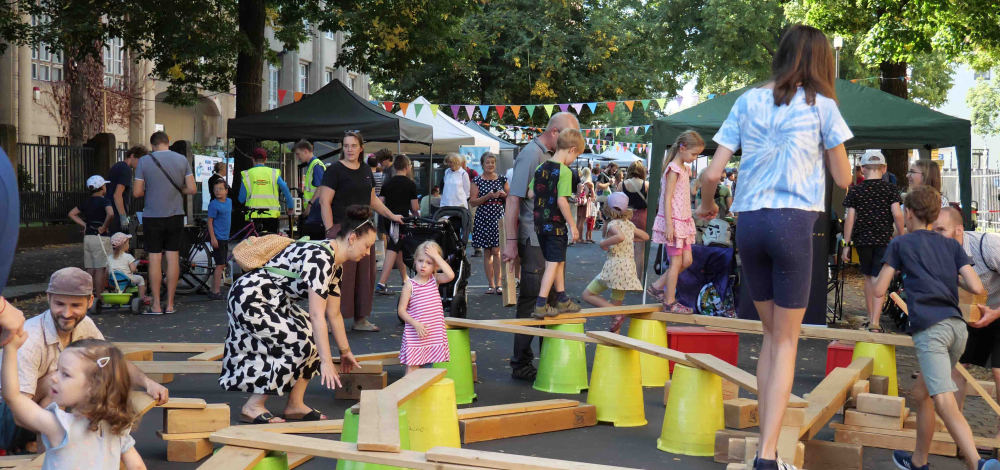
616 325
677 307
366 326
490 291
498 290
313 415
263 418
655 293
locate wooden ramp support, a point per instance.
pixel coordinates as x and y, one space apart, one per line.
378 425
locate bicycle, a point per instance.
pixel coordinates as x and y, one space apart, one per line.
197 265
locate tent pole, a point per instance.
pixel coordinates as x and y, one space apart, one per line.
963 153
399 146
430 171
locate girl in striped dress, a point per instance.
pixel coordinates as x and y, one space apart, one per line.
424 339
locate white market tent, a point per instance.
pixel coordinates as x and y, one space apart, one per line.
623 158
449 135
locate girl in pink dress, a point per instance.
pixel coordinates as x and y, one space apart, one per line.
424 339
674 226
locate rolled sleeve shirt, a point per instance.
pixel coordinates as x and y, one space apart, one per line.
527 162
40 352
984 249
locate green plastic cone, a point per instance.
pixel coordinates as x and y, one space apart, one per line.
562 367
460 366
350 434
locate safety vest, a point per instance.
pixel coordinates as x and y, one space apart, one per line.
308 190
261 184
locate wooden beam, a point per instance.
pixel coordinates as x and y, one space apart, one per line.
166 436
884 405
736 375
140 402
523 424
624 341
213 418
979 388
179 367
869 420
210 355
607 311
524 330
942 436
294 460
333 426
9 461
506 461
885 441
536 322
831 394
34 464
234 458
372 356
499 410
184 403
170 347
191 450
378 425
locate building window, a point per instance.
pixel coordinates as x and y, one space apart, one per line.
272 87
350 81
46 65
303 77
984 75
64 141
329 35
328 77
114 58
44 140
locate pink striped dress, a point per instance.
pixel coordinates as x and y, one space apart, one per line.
425 307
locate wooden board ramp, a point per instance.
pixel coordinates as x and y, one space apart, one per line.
213 354
170 347
536 322
607 311
378 425
524 330
641 346
12 461
234 458
507 461
979 388
524 424
736 375
179 367
332 426
410 385
499 410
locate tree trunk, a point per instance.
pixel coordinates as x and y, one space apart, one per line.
85 76
249 79
897 160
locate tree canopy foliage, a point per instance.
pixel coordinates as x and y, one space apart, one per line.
984 99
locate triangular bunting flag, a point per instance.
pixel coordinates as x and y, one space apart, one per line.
618 131
578 107
626 131
454 111
635 129
679 100
374 102
388 105
711 95
418 107
645 105
469 109
531 110
484 109
434 110
404 107
662 102
516 110
563 107
588 132
500 110
592 106
298 95
630 104
646 128
548 109
281 95
611 106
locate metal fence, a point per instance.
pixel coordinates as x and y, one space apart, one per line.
52 180
985 196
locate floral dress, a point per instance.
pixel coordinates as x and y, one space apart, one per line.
485 232
680 210
619 271
270 345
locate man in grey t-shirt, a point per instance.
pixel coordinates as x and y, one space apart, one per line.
163 177
519 218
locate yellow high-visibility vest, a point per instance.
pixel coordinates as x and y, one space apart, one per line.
261 184
308 190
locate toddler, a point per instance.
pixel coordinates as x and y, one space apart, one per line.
674 226
424 339
220 217
92 379
122 262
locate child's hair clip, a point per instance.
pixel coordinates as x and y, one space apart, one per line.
103 361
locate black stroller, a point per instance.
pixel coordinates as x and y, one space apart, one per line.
450 228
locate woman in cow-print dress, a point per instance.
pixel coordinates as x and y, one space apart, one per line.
274 346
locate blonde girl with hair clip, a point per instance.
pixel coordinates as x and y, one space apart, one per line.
91 379
457 186
424 339
674 226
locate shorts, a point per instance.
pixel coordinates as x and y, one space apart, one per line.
938 350
591 222
597 287
983 346
553 247
394 246
220 254
776 249
163 233
12 436
674 251
870 257
95 257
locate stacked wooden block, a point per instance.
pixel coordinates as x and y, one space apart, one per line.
489 423
969 304
874 419
738 448
187 426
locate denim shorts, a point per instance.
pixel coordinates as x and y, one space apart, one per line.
776 250
938 349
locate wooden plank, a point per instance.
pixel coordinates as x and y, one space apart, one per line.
161 378
240 436
943 436
826 455
536 322
354 384
183 436
372 356
883 441
884 405
367 367
294 460
210 355
736 375
506 461
235 458
188 451
499 410
213 418
35 464
608 337
508 278
524 424
333 426
378 425
412 384
753 326
9 461
169 347
606 311
138 354
524 330
979 389
911 422
184 403
179 367
140 402
868 420
830 395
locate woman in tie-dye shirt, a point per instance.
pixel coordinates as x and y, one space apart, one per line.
786 128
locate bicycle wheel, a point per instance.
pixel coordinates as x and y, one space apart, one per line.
196 271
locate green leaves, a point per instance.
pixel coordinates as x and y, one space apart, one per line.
984 99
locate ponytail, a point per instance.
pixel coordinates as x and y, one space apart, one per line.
688 138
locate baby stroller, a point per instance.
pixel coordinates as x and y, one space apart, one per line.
449 228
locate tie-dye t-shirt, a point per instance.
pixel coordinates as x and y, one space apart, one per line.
783 149
552 181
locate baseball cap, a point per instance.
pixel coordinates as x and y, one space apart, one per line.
95 182
71 281
873 157
259 153
618 201
119 238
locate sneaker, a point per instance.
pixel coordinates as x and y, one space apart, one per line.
216 296
568 306
904 461
545 311
778 464
991 464
527 372
381 289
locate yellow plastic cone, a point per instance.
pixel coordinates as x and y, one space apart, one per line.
433 417
562 366
655 370
885 361
694 413
616 386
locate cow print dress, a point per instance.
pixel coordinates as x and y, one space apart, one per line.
270 341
